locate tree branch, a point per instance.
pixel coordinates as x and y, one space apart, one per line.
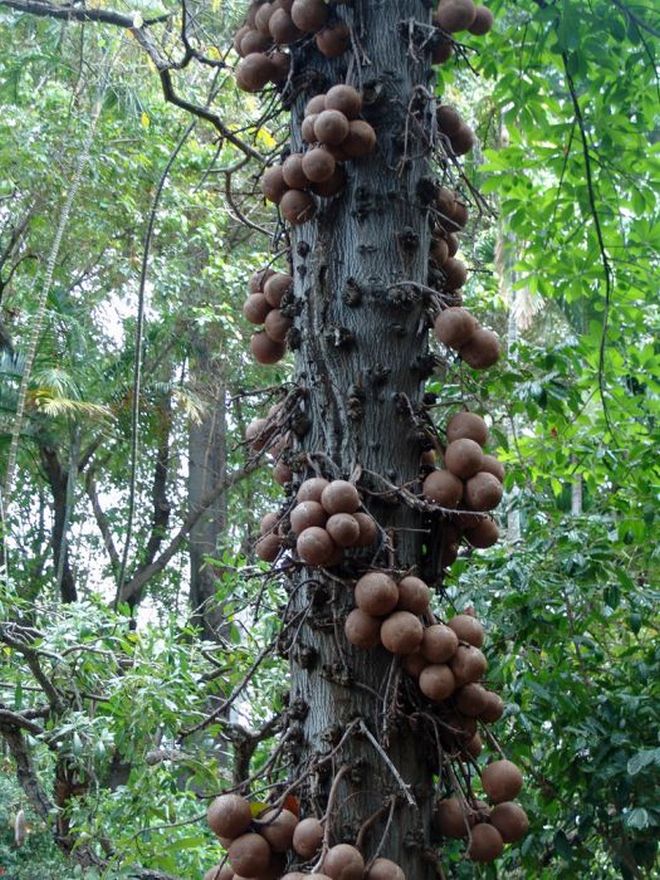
134 586
102 522
78 13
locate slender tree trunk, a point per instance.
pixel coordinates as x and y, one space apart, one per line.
207 457
58 481
362 359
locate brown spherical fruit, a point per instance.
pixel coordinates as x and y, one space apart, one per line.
493 466
255 308
455 15
249 854
444 202
482 350
443 487
315 546
282 29
312 489
276 287
333 41
318 165
463 141
376 594
344 862
346 99
483 22
455 274
484 534
463 458
414 595
265 350
368 529
402 632
307 514
293 171
269 523
385 869
277 325
315 105
455 327
281 62
277 828
331 187
262 18
360 140
238 36
255 434
229 815
439 252
448 119
467 425
439 644
362 630
258 280
428 458
267 547
344 529
331 127
273 185
437 682
494 708
307 129
253 42
414 664
510 820
468 664
486 843
309 15
340 497
451 818
460 214
253 72
453 244
475 746
468 629
308 837
501 781
282 473
471 700
297 207
483 491
441 50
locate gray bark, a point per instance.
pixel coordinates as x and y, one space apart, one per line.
362 359
207 462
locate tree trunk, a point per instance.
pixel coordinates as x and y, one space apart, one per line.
207 461
58 480
362 359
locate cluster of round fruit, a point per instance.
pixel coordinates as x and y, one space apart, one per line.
488 828
335 134
446 273
326 520
458 133
331 119
471 478
267 288
453 16
257 848
258 435
457 328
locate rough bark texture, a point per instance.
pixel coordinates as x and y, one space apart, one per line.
361 358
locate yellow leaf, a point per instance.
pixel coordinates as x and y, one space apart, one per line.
145 120
257 809
265 139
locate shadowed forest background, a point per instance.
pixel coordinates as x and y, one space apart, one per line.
131 601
